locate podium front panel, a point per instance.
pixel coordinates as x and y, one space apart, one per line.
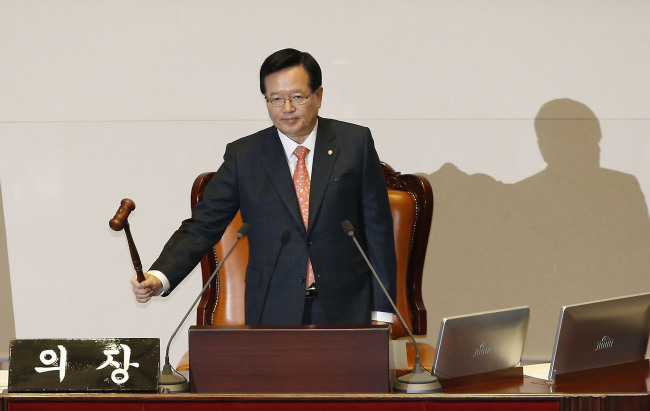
301 359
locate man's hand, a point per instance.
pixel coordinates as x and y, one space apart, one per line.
148 288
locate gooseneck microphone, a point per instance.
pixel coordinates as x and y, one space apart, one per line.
167 380
417 381
284 240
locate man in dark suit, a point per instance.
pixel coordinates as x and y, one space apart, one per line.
302 267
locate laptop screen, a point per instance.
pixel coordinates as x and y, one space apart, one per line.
601 333
480 343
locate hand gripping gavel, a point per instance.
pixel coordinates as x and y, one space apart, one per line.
120 222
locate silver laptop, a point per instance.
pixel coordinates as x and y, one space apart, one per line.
601 333
480 343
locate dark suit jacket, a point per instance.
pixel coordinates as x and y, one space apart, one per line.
347 183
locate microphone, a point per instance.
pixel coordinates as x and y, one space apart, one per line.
168 381
417 381
286 236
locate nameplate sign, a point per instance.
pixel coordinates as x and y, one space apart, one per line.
84 365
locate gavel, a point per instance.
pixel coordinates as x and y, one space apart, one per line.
119 222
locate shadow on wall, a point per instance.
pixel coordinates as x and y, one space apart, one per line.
574 232
7 328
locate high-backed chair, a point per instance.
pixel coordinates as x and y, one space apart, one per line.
411 202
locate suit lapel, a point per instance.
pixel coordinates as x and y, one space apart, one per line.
325 154
275 164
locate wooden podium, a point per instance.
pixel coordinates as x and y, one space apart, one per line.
280 360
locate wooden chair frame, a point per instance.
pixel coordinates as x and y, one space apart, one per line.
409 299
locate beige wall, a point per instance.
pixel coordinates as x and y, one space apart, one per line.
109 99
7 328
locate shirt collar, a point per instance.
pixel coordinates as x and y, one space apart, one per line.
290 145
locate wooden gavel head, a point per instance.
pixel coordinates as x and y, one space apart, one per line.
126 206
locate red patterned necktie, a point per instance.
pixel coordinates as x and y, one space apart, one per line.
301 183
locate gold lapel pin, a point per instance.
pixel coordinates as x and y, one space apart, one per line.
329 152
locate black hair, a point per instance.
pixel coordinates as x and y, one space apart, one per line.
286 58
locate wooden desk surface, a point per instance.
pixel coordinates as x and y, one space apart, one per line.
623 393
637 382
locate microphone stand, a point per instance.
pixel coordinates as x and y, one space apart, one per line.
416 381
168 381
286 236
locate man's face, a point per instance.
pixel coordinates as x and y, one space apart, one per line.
295 121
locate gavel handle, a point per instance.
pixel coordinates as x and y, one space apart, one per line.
135 257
